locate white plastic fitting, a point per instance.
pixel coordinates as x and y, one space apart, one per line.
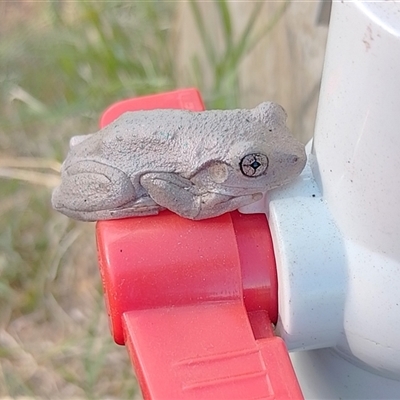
336 231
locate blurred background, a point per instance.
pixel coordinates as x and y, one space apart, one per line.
61 64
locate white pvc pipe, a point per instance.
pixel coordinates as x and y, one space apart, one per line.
357 165
336 231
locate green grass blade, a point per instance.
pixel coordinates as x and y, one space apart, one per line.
271 24
243 44
204 35
226 22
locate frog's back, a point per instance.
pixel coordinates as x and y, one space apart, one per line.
133 141
168 140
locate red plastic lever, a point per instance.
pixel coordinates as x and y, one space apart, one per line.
194 301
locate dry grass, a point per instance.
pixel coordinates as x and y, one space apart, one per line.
58 71
61 64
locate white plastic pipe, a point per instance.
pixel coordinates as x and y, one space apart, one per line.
336 230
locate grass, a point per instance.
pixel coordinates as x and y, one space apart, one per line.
61 65
224 90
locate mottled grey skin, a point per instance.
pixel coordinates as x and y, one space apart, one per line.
196 164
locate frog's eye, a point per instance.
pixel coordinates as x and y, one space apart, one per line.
254 164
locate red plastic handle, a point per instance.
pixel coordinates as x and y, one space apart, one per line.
187 99
194 301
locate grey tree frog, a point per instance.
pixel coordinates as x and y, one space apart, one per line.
196 164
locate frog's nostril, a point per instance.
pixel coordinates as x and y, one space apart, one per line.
292 159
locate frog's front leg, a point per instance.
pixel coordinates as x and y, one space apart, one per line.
181 196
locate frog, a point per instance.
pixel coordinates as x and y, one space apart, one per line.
197 164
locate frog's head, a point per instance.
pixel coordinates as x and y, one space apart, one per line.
269 156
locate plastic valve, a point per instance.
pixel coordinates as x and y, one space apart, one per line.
194 301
